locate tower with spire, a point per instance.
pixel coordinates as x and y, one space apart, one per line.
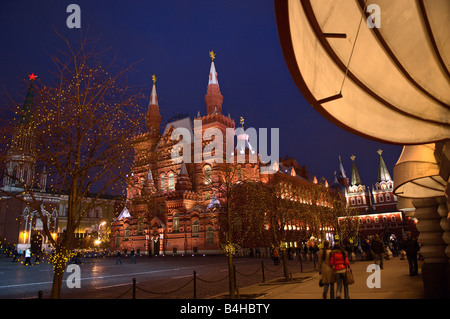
153 117
342 177
214 119
21 156
141 179
383 192
357 195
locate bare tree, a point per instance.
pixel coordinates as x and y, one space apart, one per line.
81 127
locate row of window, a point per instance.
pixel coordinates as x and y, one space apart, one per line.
376 219
171 179
380 199
195 231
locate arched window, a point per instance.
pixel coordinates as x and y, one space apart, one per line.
368 220
195 228
117 241
209 236
393 218
388 197
380 198
163 182
127 233
176 223
358 200
207 173
14 175
171 182
375 220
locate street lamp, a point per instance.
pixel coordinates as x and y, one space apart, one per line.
98 241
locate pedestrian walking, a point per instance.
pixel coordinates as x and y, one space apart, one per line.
339 262
305 251
411 247
276 257
378 250
27 257
15 254
326 271
132 259
118 258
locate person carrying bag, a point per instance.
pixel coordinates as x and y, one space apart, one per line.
349 279
326 271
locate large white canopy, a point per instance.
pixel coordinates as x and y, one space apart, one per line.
390 84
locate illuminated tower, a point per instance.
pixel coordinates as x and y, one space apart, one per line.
21 156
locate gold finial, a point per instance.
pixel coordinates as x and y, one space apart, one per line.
212 55
380 152
353 157
242 121
154 78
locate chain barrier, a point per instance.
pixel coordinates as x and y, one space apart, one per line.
123 294
254 273
166 292
265 267
212 282
195 278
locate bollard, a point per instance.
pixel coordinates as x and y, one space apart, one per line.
134 288
40 293
234 275
195 285
262 267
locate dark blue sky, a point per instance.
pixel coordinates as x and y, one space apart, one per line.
174 38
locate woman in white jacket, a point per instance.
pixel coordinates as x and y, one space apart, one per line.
326 271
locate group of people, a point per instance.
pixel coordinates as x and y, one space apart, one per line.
334 263
16 254
132 257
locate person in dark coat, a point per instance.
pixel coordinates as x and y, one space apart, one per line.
118 260
378 250
132 260
411 247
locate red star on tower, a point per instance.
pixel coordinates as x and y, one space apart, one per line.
32 76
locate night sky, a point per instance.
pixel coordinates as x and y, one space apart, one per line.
173 38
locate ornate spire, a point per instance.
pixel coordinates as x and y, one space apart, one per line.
27 108
153 117
213 97
356 180
341 169
383 173
153 95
